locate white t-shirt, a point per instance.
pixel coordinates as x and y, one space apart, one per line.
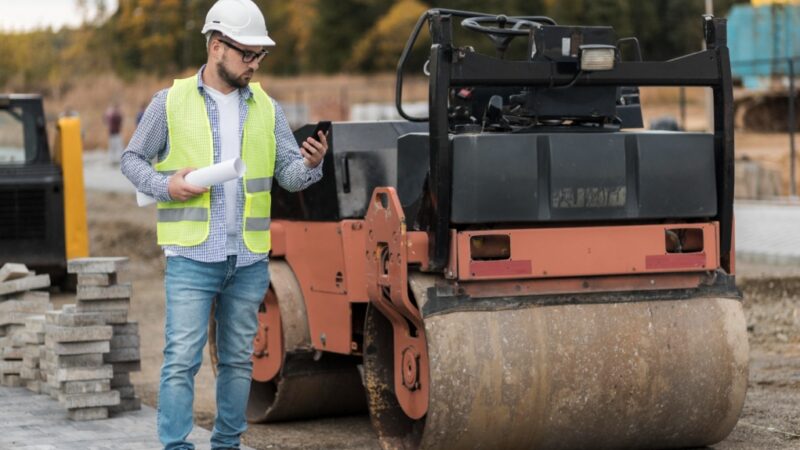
231 147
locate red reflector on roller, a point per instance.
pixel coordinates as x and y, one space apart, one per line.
675 261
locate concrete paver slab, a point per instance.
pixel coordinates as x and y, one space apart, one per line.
36 422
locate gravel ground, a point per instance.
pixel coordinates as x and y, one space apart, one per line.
770 420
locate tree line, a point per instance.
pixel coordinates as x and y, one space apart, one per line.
313 36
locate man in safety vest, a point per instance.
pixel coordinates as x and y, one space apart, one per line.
216 240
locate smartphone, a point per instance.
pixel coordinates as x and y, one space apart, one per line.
324 126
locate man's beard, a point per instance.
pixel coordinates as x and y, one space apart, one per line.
230 79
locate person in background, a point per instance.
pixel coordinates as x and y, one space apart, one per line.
113 120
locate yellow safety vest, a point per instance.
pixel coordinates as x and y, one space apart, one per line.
191 145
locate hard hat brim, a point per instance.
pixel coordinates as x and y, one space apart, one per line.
254 40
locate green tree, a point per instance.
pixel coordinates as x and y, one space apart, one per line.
290 26
380 48
507 7
159 35
163 36
338 27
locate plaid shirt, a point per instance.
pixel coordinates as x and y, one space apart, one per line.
150 141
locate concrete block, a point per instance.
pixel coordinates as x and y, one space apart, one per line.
8 366
35 323
31 363
128 328
72 401
34 305
56 333
87 360
27 373
31 338
78 348
126 404
12 271
121 379
97 279
124 341
17 337
122 355
69 318
86 414
129 366
34 386
86 293
12 353
47 366
25 284
84 360
31 296
79 319
104 305
13 318
114 316
125 391
83 374
96 265
86 387
12 380
31 351
10 330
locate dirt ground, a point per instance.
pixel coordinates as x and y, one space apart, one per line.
770 420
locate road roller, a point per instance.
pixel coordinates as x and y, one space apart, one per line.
524 268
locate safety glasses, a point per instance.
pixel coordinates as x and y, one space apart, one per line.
247 55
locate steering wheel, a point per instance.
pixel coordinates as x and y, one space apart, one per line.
502 21
504 29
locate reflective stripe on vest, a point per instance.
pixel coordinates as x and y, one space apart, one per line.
254 224
191 145
259 184
180 214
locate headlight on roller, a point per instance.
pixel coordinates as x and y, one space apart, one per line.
597 57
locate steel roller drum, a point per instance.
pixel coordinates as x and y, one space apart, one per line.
634 374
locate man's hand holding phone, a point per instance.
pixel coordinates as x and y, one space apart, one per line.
315 147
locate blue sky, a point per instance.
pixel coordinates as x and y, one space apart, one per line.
17 15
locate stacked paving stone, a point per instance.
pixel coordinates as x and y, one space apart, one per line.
18 302
33 336
100 293
124 357
73 361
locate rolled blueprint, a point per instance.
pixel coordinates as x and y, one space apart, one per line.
205 177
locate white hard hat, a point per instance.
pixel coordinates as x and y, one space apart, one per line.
240 20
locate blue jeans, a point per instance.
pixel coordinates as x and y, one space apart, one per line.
191 287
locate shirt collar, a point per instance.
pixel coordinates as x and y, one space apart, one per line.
245 92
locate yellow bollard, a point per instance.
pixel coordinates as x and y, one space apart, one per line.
69 154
